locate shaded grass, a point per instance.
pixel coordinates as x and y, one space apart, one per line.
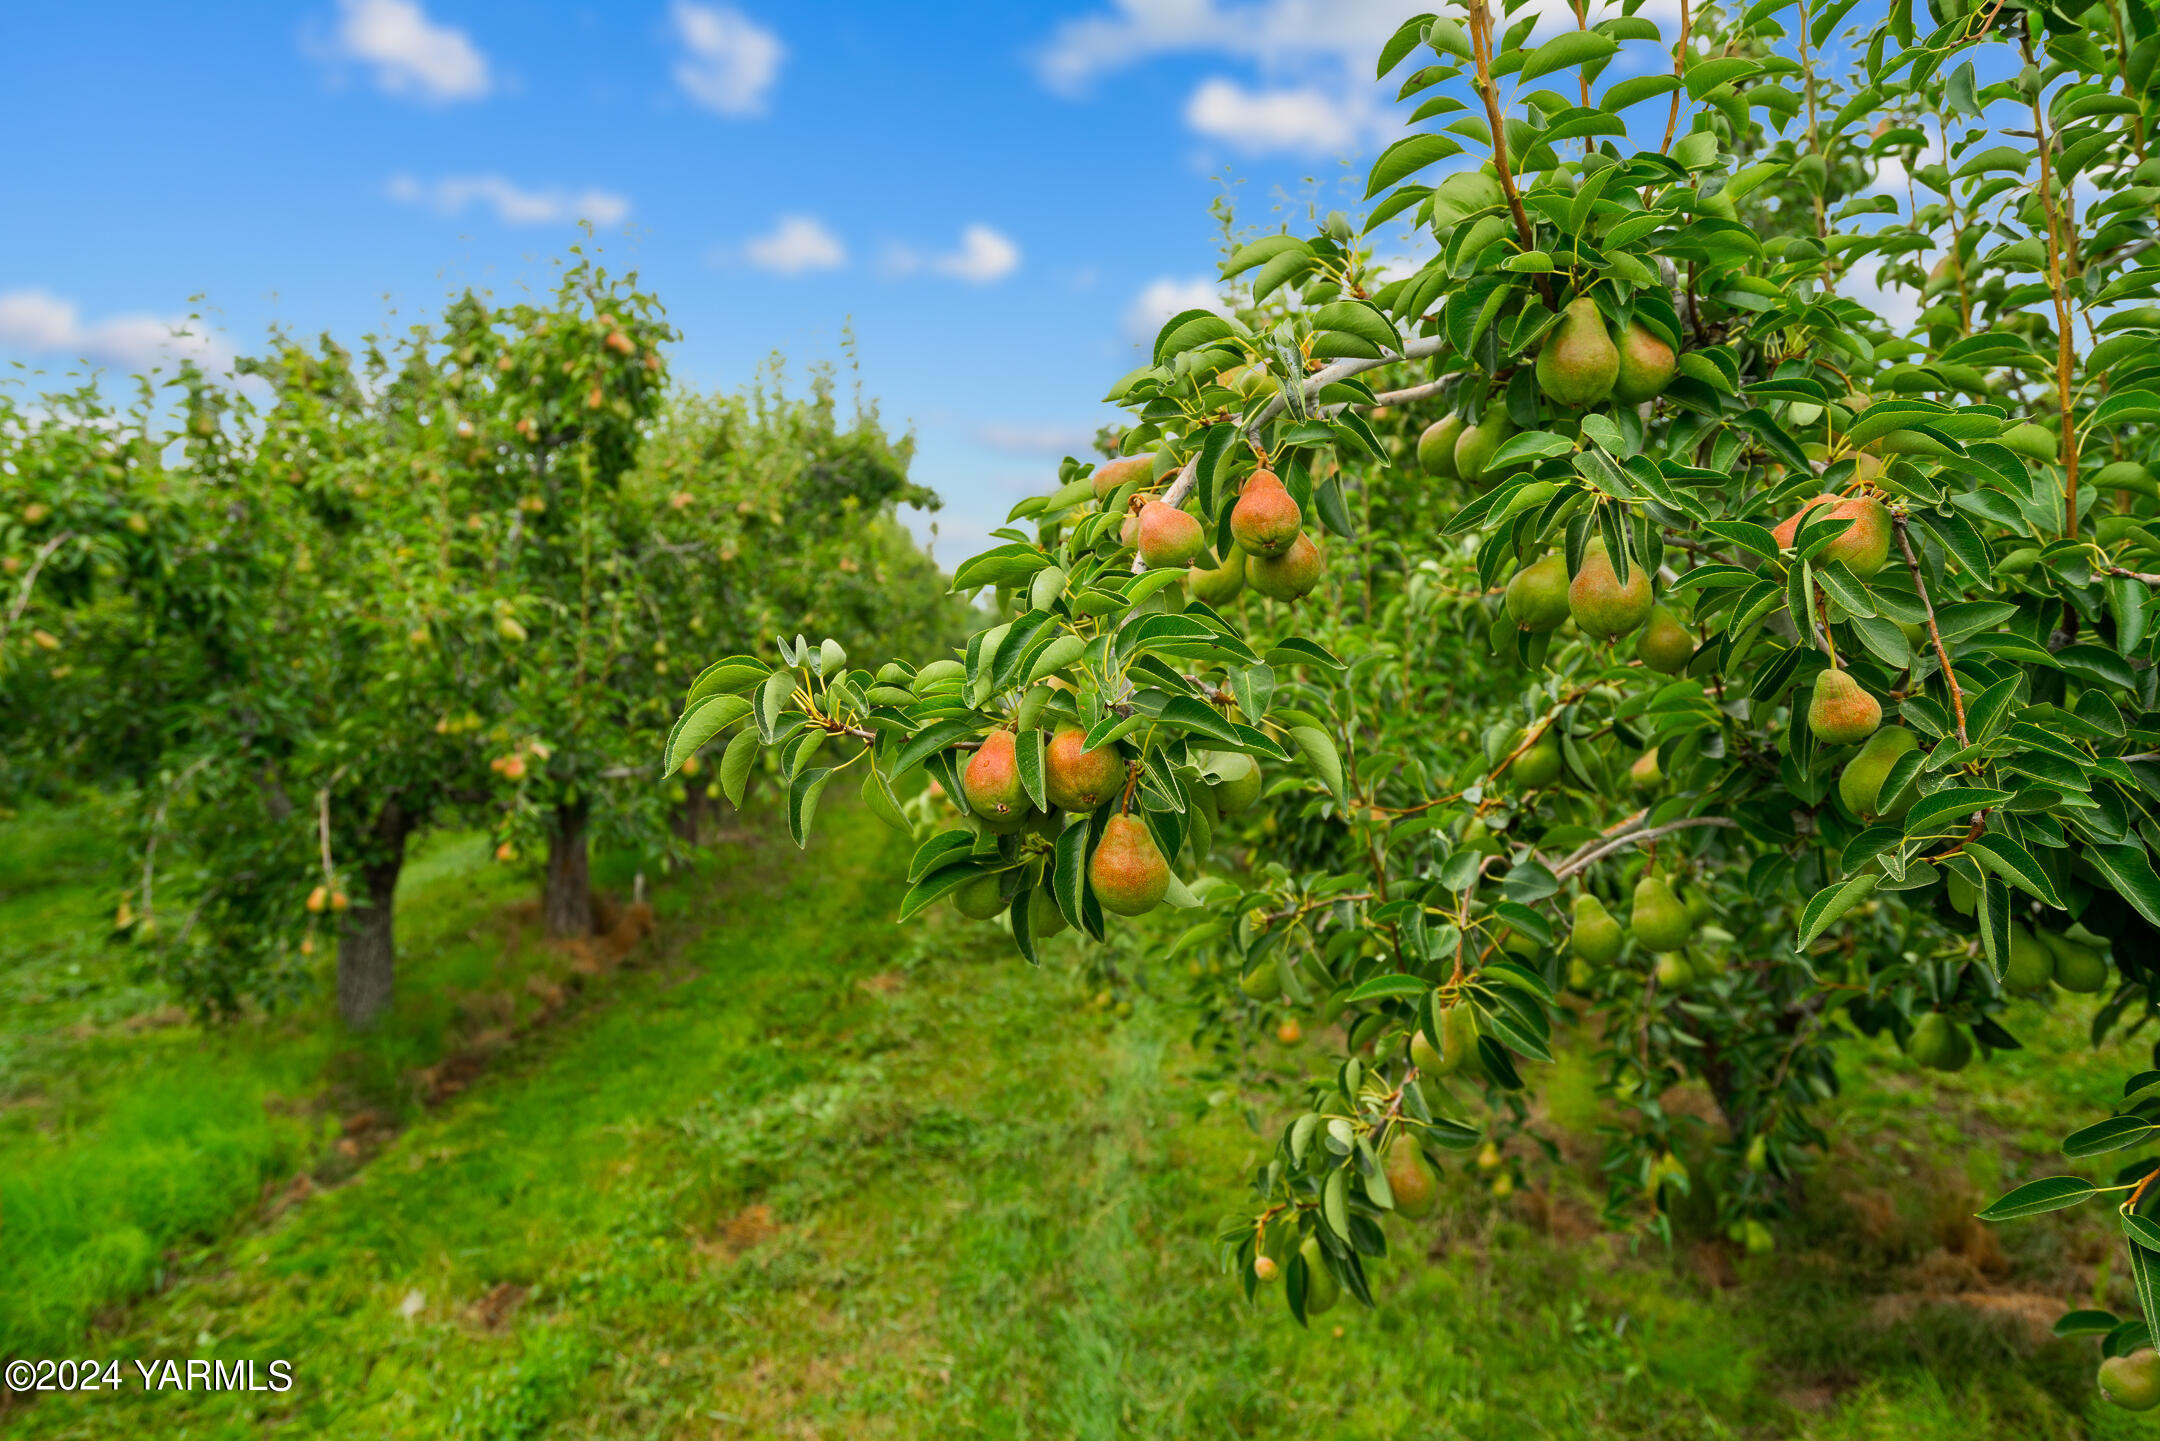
129 1135
816 1176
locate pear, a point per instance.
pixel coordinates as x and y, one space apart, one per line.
1263 982
1645 775
1578 363
1410 1180
1647 366
1127 871
1842 714
2133 1381
2032 965
1659 922
2077 968
1960 891
1237 781
1265 521
1221 585
1110 476
1537 598
1861 784
1076 778
1596 936
1474 448
1457 1025
979 900
1436 447
1864 547
1322 1290
1290 575
1604 608
1044 918
1168 536
1673 972
1939 1044
1538 766
992 784
1696 902
1665 645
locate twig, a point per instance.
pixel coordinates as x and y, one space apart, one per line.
1637 838
1942 657
322 829
1679 70
1416 349
22 598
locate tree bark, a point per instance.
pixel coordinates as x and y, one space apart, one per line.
566 905
690 819
367 943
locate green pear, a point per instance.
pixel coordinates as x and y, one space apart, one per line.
1659 922
1539 766
1861 784
1841 713
2031 966
1474 448
1578 363
1596 936
1939 1044
1603 607
1221 585
1647 366
1322 1290
2133 1381
1673 972
2077 968
1665 645
1410 1179
1537 598
1436 447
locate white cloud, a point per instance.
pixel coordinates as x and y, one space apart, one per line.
40 323
512 203
1164 298
1036 439
985 255
732 60
409 53
1270 32
797 243
1303 118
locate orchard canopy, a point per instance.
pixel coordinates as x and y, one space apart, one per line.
1701 601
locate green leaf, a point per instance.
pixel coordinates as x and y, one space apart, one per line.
1028 755
2112 1134
1187 714
1394 986
803 795
1633 91
1572 47
1008 565
735 766
2016 865
698 725
2086 1323
1930 811
1319 751
2130 870
878 796
2036 1197
1406 157
935 886
1831 902
732 676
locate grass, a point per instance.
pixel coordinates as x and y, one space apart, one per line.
129 1135
811 1175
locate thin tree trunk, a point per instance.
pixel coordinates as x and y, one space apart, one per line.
690 819
566 905
367 943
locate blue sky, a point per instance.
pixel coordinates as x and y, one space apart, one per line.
998 198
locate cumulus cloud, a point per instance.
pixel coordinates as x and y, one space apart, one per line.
1271 32
796 244
730 62
1303 118
984 255
513 204
408 53
37 322
1164 298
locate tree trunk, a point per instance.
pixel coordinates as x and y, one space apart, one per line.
566 905
690 819
367 944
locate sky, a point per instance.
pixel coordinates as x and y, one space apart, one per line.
998 202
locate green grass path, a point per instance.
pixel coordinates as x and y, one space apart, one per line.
810 1177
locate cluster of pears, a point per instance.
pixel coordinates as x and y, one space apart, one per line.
1542 596
1661 922
2074 960
1127 871
1457 1024
1270 551
1581 365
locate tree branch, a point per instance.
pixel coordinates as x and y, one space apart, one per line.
1636 838
1942 657
22 598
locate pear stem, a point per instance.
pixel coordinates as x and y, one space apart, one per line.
1942 657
